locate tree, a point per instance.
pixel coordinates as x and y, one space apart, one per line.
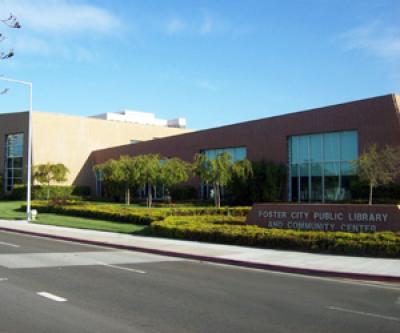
144 170
47 173
378 166
174 171
149 173
219 171
122 172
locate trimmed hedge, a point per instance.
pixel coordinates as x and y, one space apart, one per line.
116 213
200 211
138 215
227 226
381 244
56 192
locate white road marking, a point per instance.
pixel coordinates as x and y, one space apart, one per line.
66 259
3 279
9 244
375 315
124 268
57 240
51 296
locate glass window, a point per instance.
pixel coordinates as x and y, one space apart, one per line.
316 182
237 153
348 146
211 154
347 169
304 183
303 149
332 184
13 160
331 147
324 165
294 141
240 154
316 148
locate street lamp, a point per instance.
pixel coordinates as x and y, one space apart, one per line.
29 175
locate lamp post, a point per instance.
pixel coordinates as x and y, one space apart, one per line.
29 173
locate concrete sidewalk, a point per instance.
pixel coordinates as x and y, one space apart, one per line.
374 269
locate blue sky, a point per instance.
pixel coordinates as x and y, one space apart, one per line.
214 62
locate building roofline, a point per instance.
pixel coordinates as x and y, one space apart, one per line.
97 119
295 113
319 108
12 113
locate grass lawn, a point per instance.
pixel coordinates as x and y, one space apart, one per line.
9 210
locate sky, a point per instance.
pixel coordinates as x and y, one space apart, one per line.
214 62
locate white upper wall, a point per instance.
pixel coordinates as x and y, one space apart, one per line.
143 118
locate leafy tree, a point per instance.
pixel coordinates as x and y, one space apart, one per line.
378 166
145 171
149 173
219 171
47 173
122 172
174 171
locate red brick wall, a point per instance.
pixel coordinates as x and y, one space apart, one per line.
376 120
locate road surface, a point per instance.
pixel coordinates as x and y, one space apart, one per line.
56 286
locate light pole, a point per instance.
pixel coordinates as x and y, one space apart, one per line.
29 173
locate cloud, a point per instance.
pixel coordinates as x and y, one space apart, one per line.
31 45
61 16
58 28
376 38
174 26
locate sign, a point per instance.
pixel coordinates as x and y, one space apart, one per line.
326 217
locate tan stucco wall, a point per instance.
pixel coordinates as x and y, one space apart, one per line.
397 103
71 139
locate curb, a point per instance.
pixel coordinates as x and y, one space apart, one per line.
224 261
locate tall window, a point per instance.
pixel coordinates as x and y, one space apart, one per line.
14 160
237 154
319 166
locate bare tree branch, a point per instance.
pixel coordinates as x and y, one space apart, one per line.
12 22
7 55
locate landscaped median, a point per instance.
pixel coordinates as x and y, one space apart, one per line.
227 226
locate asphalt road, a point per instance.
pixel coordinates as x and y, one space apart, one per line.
54 286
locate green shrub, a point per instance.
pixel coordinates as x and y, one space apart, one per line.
227 226
199 211
382 194
213 229
56 192
266 184
1 184
104 212
137 215
207 219
183 193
